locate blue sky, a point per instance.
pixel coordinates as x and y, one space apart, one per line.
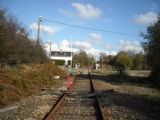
123 16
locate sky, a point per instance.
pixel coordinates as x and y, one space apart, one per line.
130 17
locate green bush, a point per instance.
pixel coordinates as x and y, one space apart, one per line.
1 88
59 62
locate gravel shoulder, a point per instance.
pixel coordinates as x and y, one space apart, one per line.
127 101
36 106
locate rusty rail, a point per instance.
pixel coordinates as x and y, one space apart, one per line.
99 114
50 115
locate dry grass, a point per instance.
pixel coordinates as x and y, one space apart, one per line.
24 80
139 73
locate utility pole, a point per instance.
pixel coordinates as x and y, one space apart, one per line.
38 30
71 53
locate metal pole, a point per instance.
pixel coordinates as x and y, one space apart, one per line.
71 53
38 30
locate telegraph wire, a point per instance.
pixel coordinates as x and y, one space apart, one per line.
90 28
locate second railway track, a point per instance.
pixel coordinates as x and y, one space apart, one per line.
77 105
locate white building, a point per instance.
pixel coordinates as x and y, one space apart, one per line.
61 55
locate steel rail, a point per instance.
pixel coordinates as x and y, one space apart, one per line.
99 114
98 106
50 115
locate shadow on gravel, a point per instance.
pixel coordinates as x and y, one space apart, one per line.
128 104
125 79
137 105
143 105
82 76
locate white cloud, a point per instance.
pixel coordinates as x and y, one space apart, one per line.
77 45
82 45
95 37
93 51
87 11
124 45
65 45
96 52
66 12
133 46
48 29
145 19
53 46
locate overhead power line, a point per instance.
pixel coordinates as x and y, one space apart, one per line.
90 28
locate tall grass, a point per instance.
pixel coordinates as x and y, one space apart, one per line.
24 80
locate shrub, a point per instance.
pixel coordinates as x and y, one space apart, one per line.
23 81
1 88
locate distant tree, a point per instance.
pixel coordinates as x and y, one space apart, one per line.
83 58
129 60
152 49
102 55
139 61
107 59
123 60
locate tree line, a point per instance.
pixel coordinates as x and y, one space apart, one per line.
152 50
124 60
16 46
83 59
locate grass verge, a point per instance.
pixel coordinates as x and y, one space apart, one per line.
24 80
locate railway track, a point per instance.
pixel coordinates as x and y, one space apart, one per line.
76 105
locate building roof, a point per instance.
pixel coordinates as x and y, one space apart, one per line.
60 54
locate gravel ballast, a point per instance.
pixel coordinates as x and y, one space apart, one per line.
36 106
